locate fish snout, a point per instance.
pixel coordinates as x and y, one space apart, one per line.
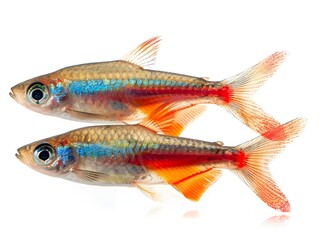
17 92
12 94
23 154
18 155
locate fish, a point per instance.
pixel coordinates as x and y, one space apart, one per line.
128 91
137 156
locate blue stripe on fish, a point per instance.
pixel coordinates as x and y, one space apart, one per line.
139 82
124 83
65 153
146 82
168 83
157 82
115 149
132 81
92 150
58 91
89 87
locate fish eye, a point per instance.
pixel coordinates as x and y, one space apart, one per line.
37 93
44 154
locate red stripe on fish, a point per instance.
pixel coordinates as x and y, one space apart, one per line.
223 92
155 160
242 158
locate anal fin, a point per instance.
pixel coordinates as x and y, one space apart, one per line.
191 181
195 185
173 118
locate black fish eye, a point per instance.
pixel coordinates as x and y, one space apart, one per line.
37 93
44 154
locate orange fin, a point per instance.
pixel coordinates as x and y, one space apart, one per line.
150 107
253 169
145 54
245 84
191 181
195 185
172 119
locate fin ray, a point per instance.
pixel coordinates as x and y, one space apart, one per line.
191 181
258 154
89 176
173 118
245 84
144 54
194 186
97 177
150 191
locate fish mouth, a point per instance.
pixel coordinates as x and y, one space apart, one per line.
18 155
22 154
12 95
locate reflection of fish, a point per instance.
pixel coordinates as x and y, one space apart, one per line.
123 91
137 156
277 221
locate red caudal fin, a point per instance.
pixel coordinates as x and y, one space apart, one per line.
253 167
245 84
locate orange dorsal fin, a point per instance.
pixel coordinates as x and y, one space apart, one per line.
172 119
191 181
144 54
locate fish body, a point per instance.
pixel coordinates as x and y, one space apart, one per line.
137 156
125 91
127 154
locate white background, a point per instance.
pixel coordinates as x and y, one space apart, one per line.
201 38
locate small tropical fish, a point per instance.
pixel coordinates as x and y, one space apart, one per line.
134 155
124 91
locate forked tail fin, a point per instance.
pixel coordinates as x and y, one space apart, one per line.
245 84
253 169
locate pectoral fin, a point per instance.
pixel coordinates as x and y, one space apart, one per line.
90 176
150 190
85 116
98 178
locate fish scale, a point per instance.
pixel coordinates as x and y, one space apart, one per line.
131 141
162 103
126 91
138 156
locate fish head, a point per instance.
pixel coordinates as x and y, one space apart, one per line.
53 156
35 94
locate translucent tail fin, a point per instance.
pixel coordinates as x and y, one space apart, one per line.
245 84
258 153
